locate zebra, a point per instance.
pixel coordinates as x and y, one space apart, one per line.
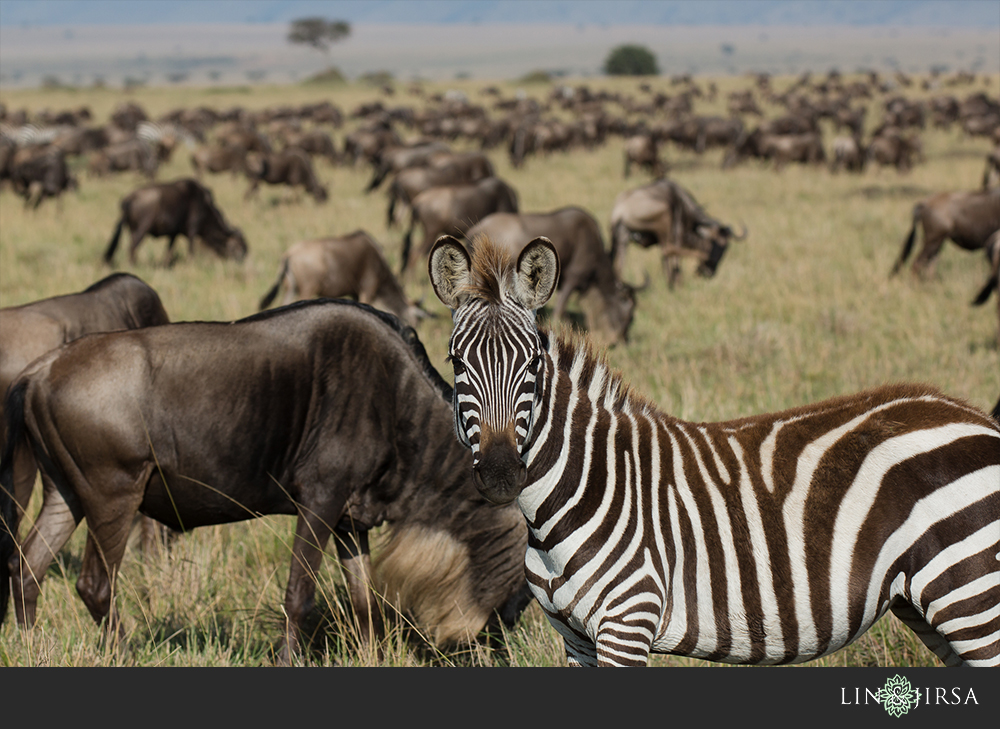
770 539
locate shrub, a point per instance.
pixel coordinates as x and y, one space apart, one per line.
631 60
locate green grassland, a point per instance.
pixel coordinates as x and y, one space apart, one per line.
803 309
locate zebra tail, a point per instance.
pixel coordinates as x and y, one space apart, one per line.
269 296
996 412
14 413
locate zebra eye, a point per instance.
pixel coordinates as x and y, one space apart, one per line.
457 364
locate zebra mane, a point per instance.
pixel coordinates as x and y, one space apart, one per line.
492 271
574 354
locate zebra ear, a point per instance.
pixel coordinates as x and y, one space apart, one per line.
537 273
448 267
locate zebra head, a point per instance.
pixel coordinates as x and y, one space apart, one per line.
495 349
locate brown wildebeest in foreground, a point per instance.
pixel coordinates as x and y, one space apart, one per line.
291 167
118 301
966 217
664 214
326 410
453 209
348 266
182 207
455 169
993 280
586 265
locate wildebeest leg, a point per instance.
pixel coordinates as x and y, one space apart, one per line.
562 299
311 535
56 522
109 523
355 558
671 269
923 264
169 257
138 234
24 480
252 189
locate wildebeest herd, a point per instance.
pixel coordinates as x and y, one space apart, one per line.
336 415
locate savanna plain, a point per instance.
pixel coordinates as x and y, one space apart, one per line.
803 309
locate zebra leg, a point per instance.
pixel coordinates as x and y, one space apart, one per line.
626 643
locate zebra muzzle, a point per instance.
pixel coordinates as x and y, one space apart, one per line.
499 473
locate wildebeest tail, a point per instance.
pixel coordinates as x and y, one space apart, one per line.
988 288
910 238
269 296
14 413
115 236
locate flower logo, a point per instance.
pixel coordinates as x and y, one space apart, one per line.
897 696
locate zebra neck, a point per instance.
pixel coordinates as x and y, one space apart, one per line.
577 392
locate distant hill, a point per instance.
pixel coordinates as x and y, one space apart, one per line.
902 13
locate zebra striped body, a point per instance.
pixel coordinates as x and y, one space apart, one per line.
771 539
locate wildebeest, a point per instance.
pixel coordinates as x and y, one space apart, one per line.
182 207
291 167
805 148
218 158
36 174
586 265
892 148
118 301
347 266
325 410
643 150
135 155
993 280
664 214
848 154
453 209
393 159
456 169
966 217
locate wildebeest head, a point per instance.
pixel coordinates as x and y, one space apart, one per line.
712 238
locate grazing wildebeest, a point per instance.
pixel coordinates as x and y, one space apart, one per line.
848 154
453 209
218 158
586 265
326 410
806 148
664 214
643 151
993 280
966 217
393 159
182 207
290 167
36 174
347 266
118 301
892 148
456 169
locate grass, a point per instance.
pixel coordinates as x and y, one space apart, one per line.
802 310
